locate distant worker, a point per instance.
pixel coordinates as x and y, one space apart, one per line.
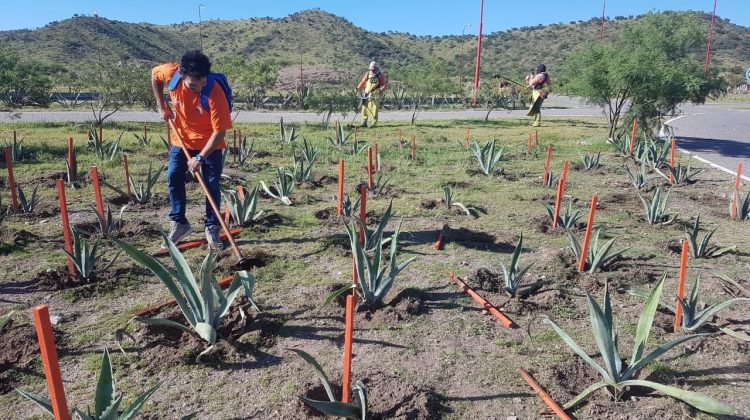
372 85
538 82
202 116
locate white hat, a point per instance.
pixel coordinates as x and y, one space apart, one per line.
373 65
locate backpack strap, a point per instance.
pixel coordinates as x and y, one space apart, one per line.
211 79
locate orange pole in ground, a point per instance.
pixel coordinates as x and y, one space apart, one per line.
101 134
738 177
438 243
632 136
528 146
681 285
536 137
413 147
65 224
97 190
340 205
552 404
400 139
467 137
234 143
49 360
587 237
376 157
11 179
370 184
736 192
362 212
241 192
70 152
546 164
560 193
127 173
507 322
672 160
348 333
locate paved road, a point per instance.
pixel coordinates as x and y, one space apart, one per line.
719 133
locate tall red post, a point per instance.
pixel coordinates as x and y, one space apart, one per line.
370 183
681 285
413 147
587 237
601 31
70 152
97 191
11 179
376 158
101 134
633 132
560 193
46 338
348 333
362 212
66 224
710 38
479 55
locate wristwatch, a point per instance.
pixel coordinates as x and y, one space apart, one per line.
200 158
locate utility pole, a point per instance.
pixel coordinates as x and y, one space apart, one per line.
479 55
601 31
200 25
461 57
710 36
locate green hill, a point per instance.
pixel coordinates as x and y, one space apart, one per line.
321 40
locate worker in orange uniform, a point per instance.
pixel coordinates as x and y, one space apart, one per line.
372 85
202 103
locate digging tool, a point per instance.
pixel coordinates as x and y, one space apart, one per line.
497 76
241 260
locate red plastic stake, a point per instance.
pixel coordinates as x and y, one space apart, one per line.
101 134
340 205
587 237
71 151
97 191
49 360
127 173
528 145
413 147
11 179
681 286
370 183
632 136
552 404
66 224
738 177
362 212
560 193
507 322
546 164
439 243
241 192
376 159
672 160
348 333
536 137
155 307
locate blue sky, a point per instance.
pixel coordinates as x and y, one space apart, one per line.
420 17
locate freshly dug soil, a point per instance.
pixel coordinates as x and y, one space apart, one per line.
19 354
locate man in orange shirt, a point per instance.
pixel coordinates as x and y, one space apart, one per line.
202 116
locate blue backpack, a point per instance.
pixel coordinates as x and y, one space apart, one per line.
206 91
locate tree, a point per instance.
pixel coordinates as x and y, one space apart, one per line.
421 82
653 68
251 81
115 86
24 83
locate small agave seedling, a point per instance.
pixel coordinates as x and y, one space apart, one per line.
284 184
591 162
692 317
201 301
246 151
339 136
3 214
106 401
27 206
682 175
349 208
514 276
142 192
17 150
85 256
551 180
656 208
107 224
639 179
568 219
703 249
488 157
243 210
448 201
742 208
308 151
302 170
598 257
618 375
333 407
622 145
5 319
104 150
379 186
286 136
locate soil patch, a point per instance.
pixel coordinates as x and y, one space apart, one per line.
476 240
19 354
328 215
49 180
139 228
428 204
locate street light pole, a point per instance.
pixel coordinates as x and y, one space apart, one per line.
200 25
461 57
479 55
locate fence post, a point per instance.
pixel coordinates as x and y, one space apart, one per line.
46 339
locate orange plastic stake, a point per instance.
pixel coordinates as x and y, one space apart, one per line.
546 164
439 242
127 173
734 204
101 134
370 183
348 332
362 212
376 158
560 193
632 135
65 224
155 307
681 286
587 237
241 192
97 190
70 152
536 137
672 159
552 404
227 215
738 177
340 205
507 322
49 360
11 179
413 147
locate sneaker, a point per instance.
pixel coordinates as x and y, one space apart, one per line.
214 240
177 231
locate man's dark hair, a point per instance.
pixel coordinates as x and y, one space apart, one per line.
541 68
195 64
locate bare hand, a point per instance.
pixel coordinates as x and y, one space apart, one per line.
166 113
194 165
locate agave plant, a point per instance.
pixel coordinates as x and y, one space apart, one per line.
515 274
27 206
653 152
309 152
597 257
142 192
202 302
104 150
742 208
17 151
591 162
333 407
656 208
551 180
693 317
107 224
379 186
286 136
5 319
106 401
349 208
681 175
622 145
339 136
143 140
85 255
302 170
568 219
618 375
448 201
639 179
245 152
702 248
488 157
284 184
242 208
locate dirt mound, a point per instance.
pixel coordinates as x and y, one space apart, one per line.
19 354
139 228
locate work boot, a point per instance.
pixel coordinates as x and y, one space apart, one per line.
214 240
177 231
